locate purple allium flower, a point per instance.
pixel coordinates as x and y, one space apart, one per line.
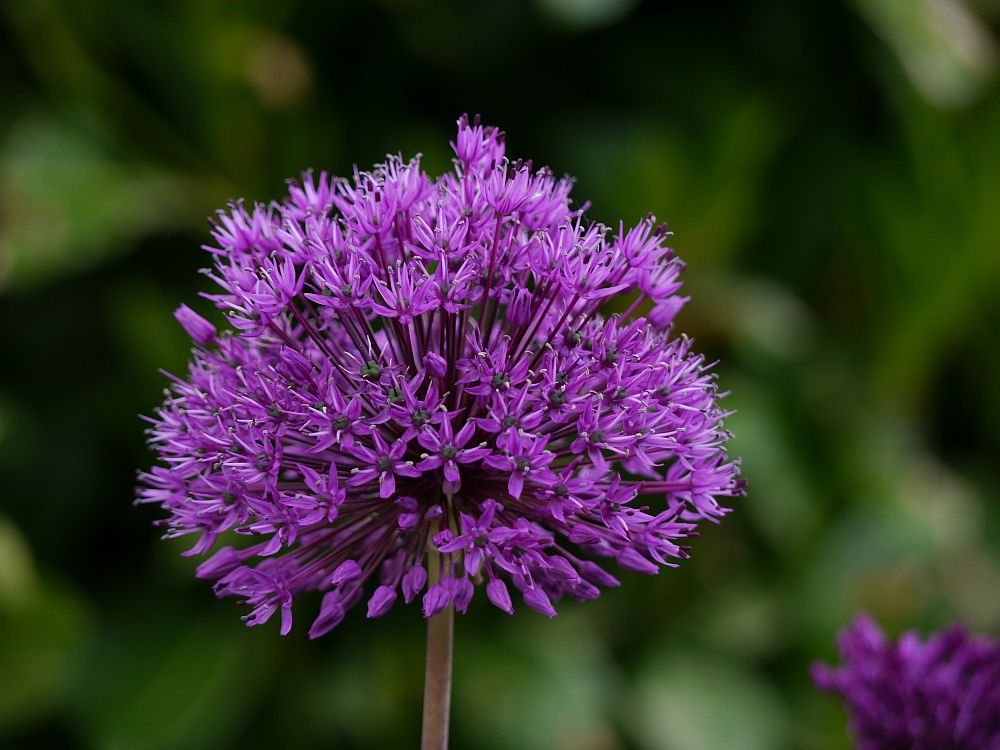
421 363
938 694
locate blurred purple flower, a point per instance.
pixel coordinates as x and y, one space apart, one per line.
423 363
938 694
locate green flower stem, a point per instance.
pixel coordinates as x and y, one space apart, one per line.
437 678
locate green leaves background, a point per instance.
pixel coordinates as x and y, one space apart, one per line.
829 170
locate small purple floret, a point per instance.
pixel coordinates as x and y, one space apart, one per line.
432 369
939 694
200 330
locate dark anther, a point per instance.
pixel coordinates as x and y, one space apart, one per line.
572 337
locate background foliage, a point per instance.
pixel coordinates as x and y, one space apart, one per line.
830 170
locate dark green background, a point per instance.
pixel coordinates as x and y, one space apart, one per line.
831 170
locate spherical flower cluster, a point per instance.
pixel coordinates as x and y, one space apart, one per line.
426 371
919 695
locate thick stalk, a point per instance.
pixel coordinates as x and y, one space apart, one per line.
437 677
437 680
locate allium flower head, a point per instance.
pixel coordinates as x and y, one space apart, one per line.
431 365
938 694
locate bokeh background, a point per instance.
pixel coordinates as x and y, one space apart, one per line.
831 171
